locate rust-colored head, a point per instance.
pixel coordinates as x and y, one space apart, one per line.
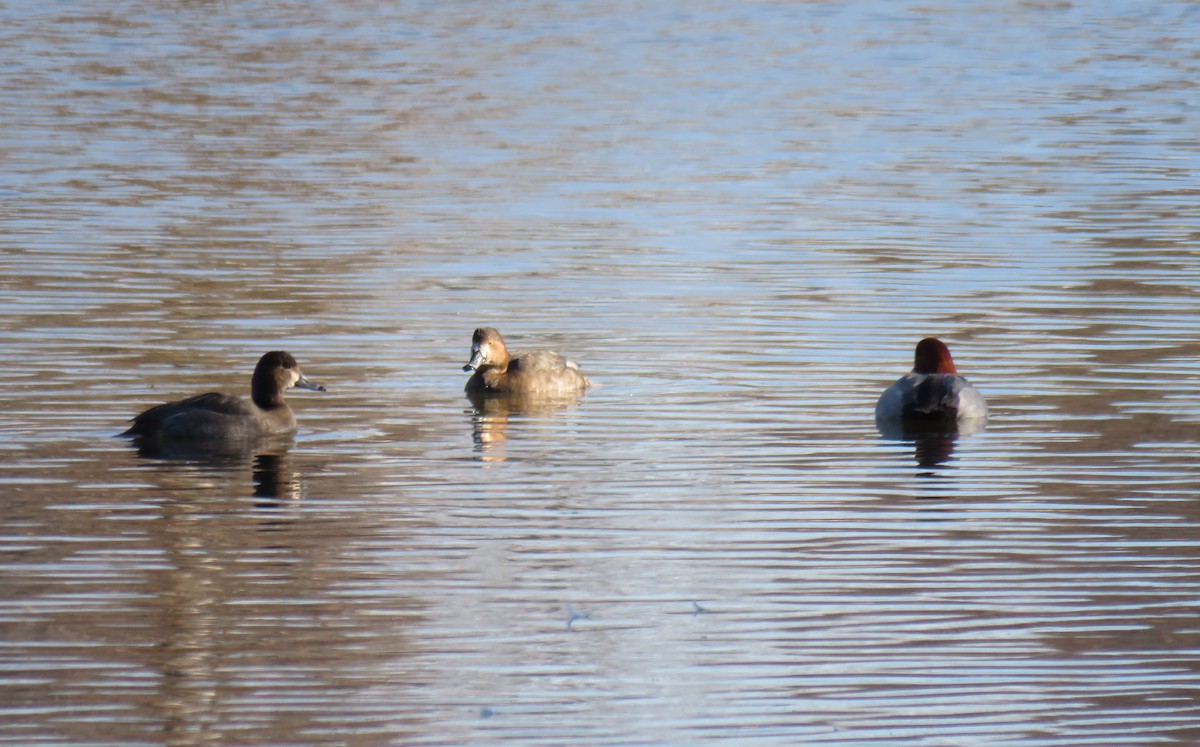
933 357
487 350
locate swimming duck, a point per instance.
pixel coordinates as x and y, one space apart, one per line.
933 391
224 417
538 373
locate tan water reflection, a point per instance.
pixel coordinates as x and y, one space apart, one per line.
492 413
739 216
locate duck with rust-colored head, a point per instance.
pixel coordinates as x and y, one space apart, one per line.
535 374
932 392
217 417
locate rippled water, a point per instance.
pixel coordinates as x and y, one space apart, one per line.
739 217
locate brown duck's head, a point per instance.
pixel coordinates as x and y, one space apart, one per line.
275 373
487 350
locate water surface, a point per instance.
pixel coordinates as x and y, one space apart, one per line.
740 218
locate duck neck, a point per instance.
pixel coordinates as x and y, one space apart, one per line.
266 393
500 360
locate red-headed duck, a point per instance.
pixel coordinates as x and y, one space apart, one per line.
933 391
224 417
536 374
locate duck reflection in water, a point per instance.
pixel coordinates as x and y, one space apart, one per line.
933 442
932 405
275 481
503 386
491 415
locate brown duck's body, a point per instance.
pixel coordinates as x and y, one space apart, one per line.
535 374
224 417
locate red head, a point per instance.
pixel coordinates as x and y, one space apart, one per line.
933 357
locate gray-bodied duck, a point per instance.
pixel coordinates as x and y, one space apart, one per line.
932 392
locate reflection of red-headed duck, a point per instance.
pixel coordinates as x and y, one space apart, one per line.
933 391
216 417
539 373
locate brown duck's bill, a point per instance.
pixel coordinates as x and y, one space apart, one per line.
304 383
475 362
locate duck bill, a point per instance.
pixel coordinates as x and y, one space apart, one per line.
304 383
475 362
